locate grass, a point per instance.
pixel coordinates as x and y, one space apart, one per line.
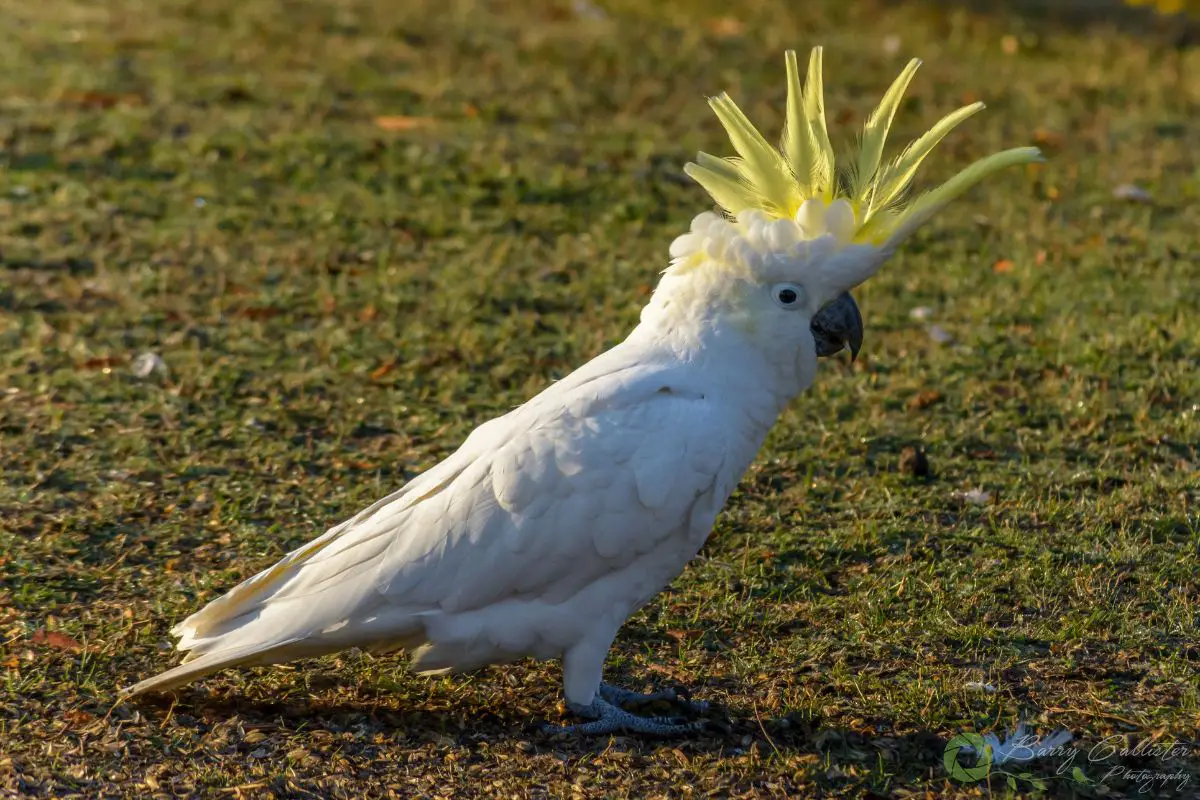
355 230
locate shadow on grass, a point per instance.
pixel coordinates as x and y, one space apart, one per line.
729 732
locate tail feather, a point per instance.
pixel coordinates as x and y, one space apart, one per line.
247 655
248 594
318 599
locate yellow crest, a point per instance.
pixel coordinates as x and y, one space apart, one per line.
799 179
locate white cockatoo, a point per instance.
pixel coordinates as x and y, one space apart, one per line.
555 522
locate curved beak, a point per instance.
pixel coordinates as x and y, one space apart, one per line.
838 325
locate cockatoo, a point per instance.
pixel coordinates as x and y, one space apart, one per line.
555 522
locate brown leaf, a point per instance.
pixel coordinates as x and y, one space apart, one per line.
925 399
77 716
725 27
369 313
1002 266
1050 139
59 641
259 313
382 370
399 122
680 635
97 99
103 362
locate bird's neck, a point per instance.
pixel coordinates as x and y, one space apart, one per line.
723 361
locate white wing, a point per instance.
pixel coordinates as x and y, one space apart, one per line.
574 494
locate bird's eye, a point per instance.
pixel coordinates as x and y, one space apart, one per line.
787 295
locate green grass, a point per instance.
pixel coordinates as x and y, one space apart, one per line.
350 301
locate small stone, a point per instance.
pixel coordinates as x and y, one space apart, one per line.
974 497
147 364
1132 193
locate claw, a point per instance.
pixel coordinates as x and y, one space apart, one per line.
624 697
609 718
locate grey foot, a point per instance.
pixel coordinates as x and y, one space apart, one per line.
609 718
622 697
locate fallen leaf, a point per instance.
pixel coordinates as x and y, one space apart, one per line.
924 399
399 122
103 362
360 466
1048 138
725 27
59 641
77 716
258 313
369 313
1002 266
382 370
97 99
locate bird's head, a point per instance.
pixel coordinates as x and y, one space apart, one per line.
799 231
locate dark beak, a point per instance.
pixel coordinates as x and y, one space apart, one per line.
839 324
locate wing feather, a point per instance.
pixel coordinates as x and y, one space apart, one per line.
634 467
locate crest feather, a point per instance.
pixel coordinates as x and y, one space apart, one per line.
875 132
782 182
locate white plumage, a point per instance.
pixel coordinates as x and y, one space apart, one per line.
552 524
539 536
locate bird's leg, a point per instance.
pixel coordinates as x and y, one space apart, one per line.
589 697
624 697
608 718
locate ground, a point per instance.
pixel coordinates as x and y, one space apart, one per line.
354 230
